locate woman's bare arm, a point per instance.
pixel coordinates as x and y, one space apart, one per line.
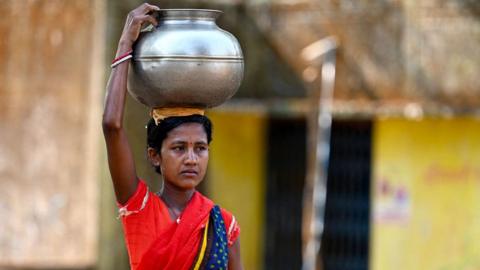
120 157
234 260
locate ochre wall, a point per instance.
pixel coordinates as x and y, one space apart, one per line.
51 74
236 176
426 194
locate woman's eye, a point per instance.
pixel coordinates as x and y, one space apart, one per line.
201 148
178 148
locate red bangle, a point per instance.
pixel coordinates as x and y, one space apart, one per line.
122 56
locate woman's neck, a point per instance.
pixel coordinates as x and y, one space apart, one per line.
175 198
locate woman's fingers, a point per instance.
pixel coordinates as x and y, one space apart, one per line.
148 8
136 19
151 19
144 9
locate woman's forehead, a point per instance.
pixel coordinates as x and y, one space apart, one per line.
188 132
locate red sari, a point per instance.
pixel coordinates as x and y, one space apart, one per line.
154 241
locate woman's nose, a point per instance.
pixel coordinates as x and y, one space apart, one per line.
191 156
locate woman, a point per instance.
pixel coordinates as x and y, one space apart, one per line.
178 228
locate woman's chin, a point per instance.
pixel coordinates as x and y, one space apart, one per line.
186 183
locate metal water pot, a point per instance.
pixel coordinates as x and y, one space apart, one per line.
187 61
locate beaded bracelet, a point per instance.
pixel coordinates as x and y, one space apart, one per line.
122 58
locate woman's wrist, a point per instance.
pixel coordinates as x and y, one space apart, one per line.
124 53
122 58
123 47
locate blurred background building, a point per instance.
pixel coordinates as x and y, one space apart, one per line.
403 177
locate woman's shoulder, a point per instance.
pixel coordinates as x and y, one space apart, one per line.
227 215
232 227
142 201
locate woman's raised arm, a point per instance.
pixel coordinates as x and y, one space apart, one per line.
120 157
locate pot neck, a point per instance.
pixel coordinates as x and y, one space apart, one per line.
206 15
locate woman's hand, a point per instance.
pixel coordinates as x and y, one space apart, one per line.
136 19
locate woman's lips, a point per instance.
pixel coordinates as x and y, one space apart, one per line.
189 173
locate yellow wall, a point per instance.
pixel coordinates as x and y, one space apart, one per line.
236 178
426 194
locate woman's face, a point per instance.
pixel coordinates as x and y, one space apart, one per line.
184 156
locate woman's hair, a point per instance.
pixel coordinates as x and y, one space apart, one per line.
157 133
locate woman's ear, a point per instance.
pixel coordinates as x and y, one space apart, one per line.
154 156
